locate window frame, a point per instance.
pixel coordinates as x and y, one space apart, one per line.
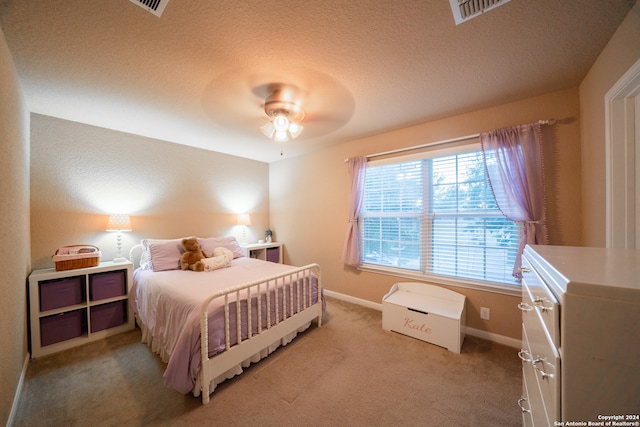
422 274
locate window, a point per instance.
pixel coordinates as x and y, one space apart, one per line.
436 215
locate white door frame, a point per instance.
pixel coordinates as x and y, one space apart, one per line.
622 126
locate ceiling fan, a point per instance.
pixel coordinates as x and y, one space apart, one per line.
252 102
283 107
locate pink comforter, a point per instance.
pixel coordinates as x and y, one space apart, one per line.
168 304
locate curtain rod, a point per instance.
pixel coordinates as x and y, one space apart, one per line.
447 141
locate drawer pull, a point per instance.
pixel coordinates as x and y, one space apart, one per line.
525 356
525 270
524 306
539 302
544 374
523 399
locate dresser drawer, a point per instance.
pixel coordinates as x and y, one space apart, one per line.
525 403
531 389
545 364
539 296
529 313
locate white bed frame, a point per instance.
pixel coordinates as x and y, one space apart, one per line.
305 312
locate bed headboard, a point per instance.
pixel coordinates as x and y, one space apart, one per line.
135 253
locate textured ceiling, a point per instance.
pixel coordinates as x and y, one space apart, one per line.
198 74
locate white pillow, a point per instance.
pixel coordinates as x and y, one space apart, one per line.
144 263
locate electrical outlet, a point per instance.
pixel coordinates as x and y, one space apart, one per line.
485 313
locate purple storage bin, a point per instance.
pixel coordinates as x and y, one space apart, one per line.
273 254
107 285
108 315
61 292
61 327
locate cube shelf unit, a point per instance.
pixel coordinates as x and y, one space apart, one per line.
264 251
74 307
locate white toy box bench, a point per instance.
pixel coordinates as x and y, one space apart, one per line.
426 312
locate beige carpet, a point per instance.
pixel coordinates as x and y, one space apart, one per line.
349 372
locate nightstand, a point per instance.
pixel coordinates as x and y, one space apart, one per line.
264 251
74 307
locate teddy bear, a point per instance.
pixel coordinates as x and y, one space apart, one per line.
192 258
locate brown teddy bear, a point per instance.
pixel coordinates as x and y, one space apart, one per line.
192 258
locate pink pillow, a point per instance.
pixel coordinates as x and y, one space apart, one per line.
208 244
164 254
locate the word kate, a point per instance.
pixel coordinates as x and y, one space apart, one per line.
409 323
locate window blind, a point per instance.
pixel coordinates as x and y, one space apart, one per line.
437 215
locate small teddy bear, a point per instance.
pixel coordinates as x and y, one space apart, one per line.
192 258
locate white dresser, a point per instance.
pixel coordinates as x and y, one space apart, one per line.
580 336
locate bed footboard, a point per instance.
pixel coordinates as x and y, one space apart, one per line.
257 314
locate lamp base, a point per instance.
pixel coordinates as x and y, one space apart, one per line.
120 259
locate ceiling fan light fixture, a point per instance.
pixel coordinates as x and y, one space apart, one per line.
295 129
268 130
280 123
281 136
284 114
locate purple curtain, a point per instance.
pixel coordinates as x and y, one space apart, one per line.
357 170
513 159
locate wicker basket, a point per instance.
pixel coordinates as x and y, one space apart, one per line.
68 257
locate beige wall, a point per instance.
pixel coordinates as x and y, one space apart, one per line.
14 229
622 51
81 173
309 198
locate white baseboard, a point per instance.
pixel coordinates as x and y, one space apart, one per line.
16 398
498 339
489 336
354 300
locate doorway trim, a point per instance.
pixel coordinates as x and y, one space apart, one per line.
622 128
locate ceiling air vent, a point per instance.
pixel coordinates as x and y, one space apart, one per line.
463 10
154 6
